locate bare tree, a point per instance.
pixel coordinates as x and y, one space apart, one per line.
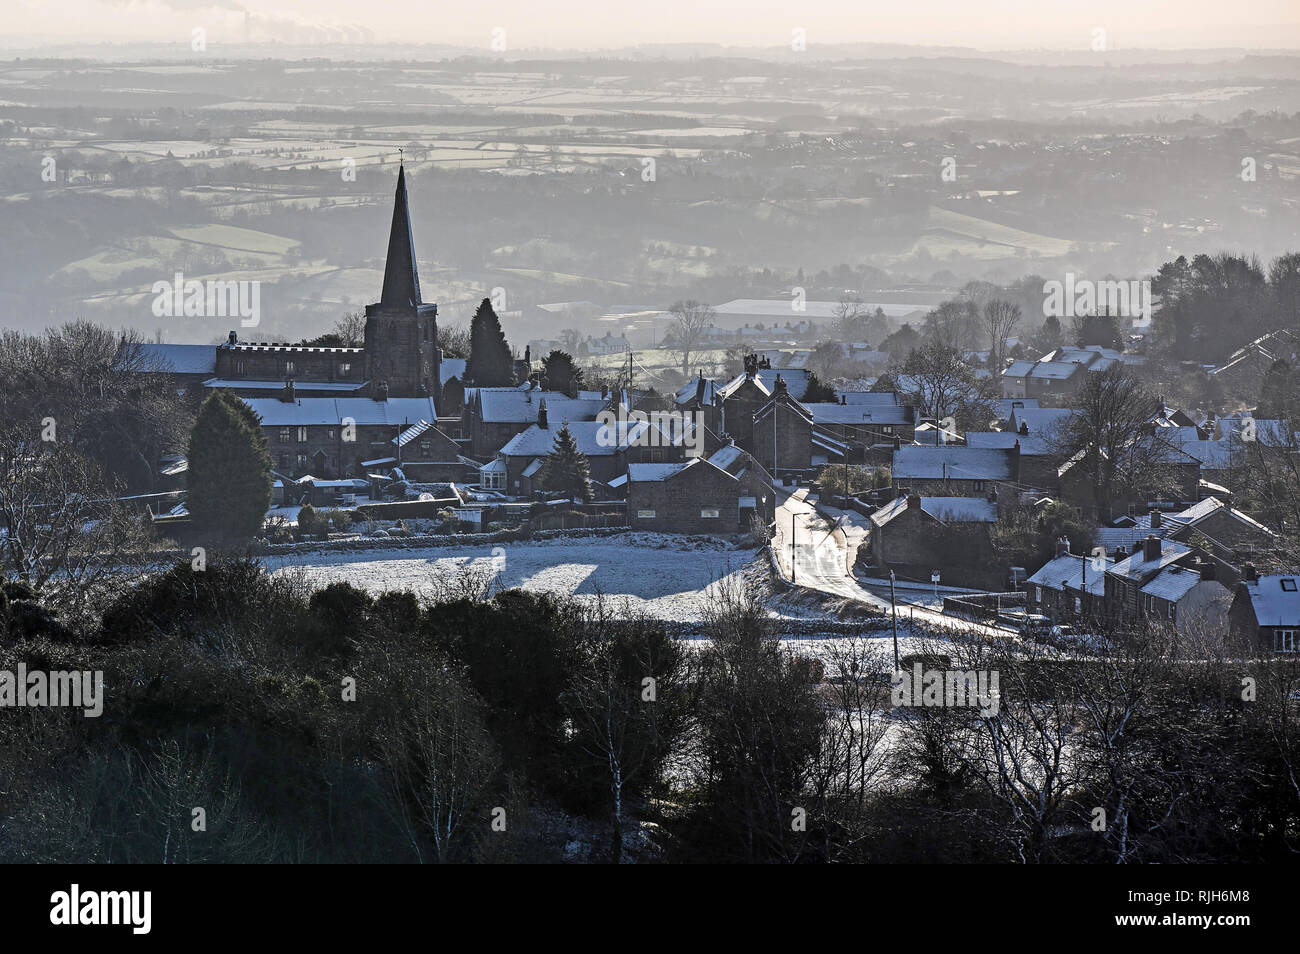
63 532
1000 320
953 325
351 328
945 386
850 314
691 319
627 704
1109 437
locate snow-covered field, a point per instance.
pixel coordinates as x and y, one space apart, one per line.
667 577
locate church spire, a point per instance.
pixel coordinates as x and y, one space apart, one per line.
401 279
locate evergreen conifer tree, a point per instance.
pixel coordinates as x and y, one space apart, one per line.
490 364
229 474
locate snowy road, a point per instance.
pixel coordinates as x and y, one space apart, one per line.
825 549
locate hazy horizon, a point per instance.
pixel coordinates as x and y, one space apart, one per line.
567 25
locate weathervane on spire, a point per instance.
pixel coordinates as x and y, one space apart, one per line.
401 155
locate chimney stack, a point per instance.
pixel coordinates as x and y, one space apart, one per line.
290 395
1150 549
1063 546
1248 573
383 391
913 501
541 413
1208 570
1156 520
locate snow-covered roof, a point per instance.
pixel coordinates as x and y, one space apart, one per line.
594 438
796 381
1275 599
494 466
1137 566
943 509
726 456
411 433
646 473
1044 421
1172 583
1004 406
179 358
516 405
703 388
1214 455
643 473
875 413
827 443
1031 445
1069 571
332 410
883 398
951 462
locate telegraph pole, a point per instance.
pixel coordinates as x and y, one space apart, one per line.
893 605
793 549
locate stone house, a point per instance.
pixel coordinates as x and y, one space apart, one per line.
1069 586
608 449
1266 610
333 438
786 438
915 535
1167 581
688 496
492 416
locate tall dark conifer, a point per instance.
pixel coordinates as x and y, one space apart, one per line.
229 474
566 469
490 363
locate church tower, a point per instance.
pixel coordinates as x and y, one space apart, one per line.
402 358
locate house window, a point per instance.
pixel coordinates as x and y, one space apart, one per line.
493 480
329 433
709 512
426 448
302 461
345 367
1078 605
289 367
1288 584
1284 640
239 367
284 435
645 514
889 428
302 435
978 484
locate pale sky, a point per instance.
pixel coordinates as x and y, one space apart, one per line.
593 24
